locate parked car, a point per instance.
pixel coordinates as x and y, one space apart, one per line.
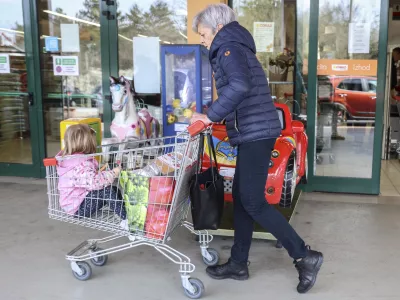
288 164
355 95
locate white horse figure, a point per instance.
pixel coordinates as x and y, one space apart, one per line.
128 125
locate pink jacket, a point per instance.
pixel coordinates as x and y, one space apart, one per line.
78 175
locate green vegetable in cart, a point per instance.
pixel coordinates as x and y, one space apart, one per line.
136 198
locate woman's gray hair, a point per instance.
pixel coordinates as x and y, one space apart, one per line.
214 15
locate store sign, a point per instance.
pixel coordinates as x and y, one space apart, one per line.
146 58
348 67
359 38
51 44
70 38
264 36
66 65
4 64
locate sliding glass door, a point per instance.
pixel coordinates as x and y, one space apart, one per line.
20 142
346 81
69 38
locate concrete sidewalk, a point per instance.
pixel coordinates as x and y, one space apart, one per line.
360 243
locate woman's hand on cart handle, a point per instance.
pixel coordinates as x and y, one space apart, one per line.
200 117
198 124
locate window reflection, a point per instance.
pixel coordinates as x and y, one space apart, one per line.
70 96
347 69
12 27
166 20
277 58
15 133
302 48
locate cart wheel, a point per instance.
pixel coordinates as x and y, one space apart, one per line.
214 257
332 159
86 271
101 260
278 245
198 289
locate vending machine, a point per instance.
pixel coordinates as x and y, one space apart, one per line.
186 85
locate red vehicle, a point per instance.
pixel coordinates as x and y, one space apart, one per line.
354 95
288 165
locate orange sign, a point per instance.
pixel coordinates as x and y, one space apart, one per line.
348 67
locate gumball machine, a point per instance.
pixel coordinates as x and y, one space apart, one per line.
186 85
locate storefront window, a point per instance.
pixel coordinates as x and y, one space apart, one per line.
301 62
272 24
69 90
162 19
347 77
15 137
166 20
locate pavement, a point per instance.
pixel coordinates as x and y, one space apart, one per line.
360 242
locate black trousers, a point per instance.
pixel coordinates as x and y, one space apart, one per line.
250 204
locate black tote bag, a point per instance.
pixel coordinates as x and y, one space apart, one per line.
207 191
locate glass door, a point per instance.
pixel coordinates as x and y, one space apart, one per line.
19 102
346 80
273 26
133 21
70 64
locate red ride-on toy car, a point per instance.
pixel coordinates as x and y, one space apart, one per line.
288 165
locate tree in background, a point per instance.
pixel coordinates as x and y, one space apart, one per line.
159 21
250 11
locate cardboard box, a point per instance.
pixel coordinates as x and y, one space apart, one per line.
168 163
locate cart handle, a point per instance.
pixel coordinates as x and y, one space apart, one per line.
50 162
197 128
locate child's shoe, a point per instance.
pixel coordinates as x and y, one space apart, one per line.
124 225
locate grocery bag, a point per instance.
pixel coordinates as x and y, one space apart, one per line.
136 198
207 190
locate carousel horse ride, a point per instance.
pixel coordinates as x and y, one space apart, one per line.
129 126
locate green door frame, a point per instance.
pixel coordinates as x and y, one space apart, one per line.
109 56
340 184
109 61
32 58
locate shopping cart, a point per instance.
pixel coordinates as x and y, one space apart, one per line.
154 185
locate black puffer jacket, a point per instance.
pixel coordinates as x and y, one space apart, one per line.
244 98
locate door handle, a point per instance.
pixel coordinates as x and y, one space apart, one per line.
373 98
108 14
30 98
343 95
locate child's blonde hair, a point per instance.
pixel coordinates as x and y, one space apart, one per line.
79 138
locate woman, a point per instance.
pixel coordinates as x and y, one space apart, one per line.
244 102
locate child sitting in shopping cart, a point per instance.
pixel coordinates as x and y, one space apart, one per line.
84 188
